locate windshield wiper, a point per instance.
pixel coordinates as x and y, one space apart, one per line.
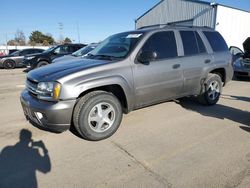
108 57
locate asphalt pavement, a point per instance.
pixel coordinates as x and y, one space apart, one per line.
173 144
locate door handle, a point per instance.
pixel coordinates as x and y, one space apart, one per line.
176 66
207 61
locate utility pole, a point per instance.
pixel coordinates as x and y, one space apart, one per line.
78 34
61 32
6 38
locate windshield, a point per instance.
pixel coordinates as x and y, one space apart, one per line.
49 49
83 51
116 46
15 53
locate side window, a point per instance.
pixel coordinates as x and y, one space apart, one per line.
163 43
24 52
189 43
38 51
72 49
62 50
201 46
235 50
216 41
31 51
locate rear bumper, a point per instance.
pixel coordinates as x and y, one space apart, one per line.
229 74
49 116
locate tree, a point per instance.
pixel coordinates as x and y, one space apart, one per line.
45 43
38 37
20 37
67 40
50 40
12 43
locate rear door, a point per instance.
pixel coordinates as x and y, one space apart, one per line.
19 59
193 60
162 78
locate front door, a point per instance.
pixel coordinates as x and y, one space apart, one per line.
162 78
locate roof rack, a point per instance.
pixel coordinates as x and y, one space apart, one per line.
175 24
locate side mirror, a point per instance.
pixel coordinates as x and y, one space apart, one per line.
146 57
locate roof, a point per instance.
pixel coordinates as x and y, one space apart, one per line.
194 1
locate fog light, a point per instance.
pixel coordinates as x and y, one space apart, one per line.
39 115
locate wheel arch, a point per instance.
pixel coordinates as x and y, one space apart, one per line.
221 72
12 60
115 89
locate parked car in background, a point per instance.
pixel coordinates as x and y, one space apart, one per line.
2 54
12 51
79 53
241 60
45 58
15 59
125 72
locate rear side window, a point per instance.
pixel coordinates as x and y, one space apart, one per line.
163 43
201 46
189 42
216 41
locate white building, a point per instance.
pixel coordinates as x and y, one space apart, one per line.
232 23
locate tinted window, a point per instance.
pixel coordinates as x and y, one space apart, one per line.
163 43
38 51
62 50
74 48
31 51
216 41
189 42
201 46
24 52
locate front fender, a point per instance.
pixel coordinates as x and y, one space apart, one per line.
74 91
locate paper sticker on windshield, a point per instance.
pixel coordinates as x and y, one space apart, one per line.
133 36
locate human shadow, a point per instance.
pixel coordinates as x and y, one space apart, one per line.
218 111
234 97
19 163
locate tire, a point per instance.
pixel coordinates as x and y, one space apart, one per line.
211 90
42 63
9 64
97 115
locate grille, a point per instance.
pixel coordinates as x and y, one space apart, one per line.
31 86
247 65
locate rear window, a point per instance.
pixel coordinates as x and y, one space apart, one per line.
216 41
201 46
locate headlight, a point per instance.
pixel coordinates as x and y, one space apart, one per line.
49 90
29 58
238 63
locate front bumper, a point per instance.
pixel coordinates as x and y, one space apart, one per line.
29 63
241 72
51 116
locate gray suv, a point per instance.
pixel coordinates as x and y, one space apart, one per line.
127 71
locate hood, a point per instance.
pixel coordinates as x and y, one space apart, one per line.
246 46
64 58
55 71
5 56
